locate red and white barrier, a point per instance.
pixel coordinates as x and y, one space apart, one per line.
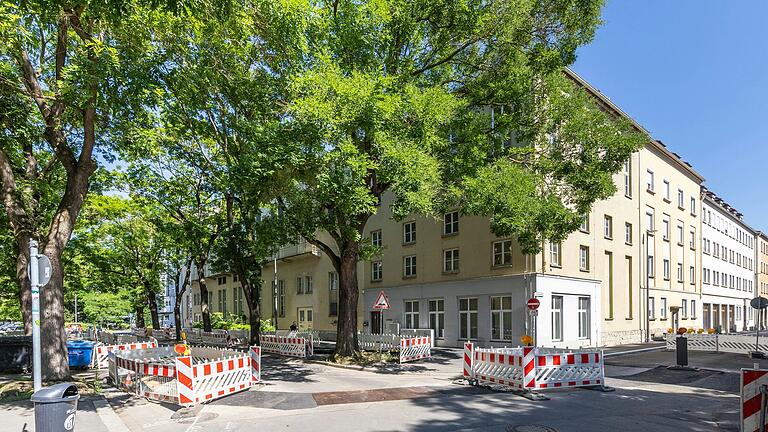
187 380
287 346
534 368
752 380
101 357
415 348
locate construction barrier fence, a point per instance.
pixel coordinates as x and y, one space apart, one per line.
99 358
534 368
415 348
291 346
160 374
739 344
754 395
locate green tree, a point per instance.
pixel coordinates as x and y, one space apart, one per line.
408 97
66 74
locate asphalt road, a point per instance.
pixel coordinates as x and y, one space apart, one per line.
424 396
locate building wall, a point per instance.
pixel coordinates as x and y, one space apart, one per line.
728 259
761 270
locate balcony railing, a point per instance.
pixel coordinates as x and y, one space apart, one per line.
300 248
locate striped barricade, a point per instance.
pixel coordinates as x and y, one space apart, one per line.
415 348
374 342
101 360
287 346
754 382
533 368
216 337
185 380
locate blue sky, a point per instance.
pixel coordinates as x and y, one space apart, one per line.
694 73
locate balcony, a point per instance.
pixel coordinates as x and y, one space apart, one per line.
296 249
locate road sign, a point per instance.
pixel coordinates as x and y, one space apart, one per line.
759 302
43 270
533 312
533 303
382 302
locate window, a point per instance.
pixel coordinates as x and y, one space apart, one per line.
281 298
666 191
411 314
451 223
584 258
584 227
680 239
437 317
649 181
663 308
239 309
554 254
300 285
692 242
221 280
685 308
451 261
715 250
651 308
665 228
502 252
376 238
608 227
584 323
235 278
666 269
627 233
409 266
468 318
650 267
692 275
333 294
307 284
557 318
409 232
628 178
501 318
680 199
693 206
649 219
679 272
376 271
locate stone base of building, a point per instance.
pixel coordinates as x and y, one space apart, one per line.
624 337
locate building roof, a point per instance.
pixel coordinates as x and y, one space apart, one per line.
657 144
712 197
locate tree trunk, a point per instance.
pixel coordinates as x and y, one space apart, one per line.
152 300
177 319
346 330
252 293
55 366
140 317
25 289
204 304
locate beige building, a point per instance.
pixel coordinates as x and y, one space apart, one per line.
761 271
624 276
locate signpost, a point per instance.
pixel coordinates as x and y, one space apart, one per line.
758 303
382 304
39 272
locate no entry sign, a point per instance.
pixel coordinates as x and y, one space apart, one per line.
533 303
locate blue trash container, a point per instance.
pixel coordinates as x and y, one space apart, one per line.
80 353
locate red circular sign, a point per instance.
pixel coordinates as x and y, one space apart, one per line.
533 303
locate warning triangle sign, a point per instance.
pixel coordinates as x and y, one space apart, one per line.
382 302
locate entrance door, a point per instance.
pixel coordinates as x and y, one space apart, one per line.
375 322
305 318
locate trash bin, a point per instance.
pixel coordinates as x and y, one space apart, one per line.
55 408
80 353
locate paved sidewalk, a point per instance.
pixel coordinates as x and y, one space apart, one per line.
93 415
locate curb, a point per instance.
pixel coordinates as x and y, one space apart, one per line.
639 350
108 416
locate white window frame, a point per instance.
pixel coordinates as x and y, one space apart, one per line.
377 271
437 317
451 260
409 232
451 223
409 266
584 314
557 318
505 328
411 317
505 252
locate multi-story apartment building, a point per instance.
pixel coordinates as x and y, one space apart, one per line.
631 271
761 272
728 260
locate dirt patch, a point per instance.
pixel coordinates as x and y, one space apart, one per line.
376 395
22 388
365 358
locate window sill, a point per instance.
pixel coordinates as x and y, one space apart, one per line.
557 266
583 270
628 318
454 272
453 234
409 243
375 280
650 191
608 319
500 266
583 231
667 200
608 238
628 196
409 277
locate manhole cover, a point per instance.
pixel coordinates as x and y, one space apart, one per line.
531 428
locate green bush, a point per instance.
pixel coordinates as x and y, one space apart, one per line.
234 322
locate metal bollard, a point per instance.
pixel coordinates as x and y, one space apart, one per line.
681 349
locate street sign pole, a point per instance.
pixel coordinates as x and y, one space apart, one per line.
35 287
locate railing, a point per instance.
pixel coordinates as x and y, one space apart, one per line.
740 344
300 248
